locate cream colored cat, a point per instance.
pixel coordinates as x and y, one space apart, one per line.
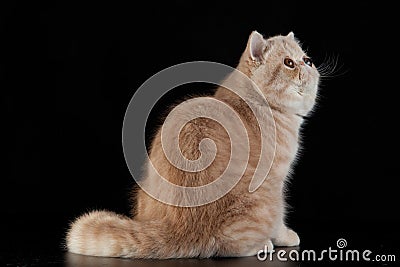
240 223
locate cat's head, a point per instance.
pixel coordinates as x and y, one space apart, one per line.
282 70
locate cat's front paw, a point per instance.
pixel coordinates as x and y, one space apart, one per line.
287 238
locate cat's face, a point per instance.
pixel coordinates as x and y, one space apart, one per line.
283 71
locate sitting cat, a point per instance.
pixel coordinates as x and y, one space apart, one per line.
241 222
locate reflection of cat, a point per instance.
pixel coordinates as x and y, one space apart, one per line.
240 223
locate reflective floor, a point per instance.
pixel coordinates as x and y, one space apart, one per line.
40 249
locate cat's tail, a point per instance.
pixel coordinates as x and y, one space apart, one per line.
107 234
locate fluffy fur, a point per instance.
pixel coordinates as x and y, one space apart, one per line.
240 223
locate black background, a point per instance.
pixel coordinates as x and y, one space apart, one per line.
69 71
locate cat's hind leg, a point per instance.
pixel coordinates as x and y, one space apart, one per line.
242 239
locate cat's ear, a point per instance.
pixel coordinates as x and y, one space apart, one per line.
290 35
256 46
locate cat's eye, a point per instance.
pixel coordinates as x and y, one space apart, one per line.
308 61
288 62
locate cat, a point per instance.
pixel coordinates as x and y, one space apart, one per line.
241 222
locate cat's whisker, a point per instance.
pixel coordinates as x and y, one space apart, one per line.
330 68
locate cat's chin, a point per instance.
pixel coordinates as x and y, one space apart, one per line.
301 108
301 114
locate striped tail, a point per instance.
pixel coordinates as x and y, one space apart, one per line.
107 234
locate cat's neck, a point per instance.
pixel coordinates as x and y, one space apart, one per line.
282 118
294 119
288 127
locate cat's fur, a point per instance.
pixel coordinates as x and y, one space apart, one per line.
240 223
